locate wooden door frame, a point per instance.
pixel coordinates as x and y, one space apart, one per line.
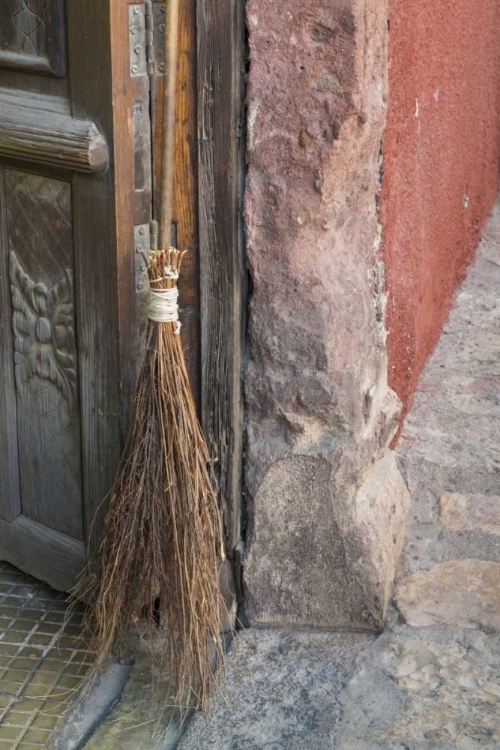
223 274
208 207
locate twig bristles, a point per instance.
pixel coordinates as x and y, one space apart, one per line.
163 538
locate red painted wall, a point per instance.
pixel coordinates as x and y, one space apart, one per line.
441 154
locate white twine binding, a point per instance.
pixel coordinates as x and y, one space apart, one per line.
163 307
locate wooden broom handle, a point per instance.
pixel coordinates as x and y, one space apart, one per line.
168 135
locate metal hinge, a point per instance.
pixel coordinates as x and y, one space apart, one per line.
142 245
145 240
146 25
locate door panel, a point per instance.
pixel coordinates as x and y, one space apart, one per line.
59 282
41 276
32 35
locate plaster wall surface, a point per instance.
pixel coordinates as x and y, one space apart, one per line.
441 151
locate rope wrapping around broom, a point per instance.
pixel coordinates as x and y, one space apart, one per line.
163 307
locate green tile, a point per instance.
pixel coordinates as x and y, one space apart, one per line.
37 691
5 700
57 617
71 682
52 665
48 628
11 688
40 639
9 611
62 654
45 722
28 705
44 678
12 601
16 675
18 719
40 736
7 649
76 670
30 614
13 636
20 663
9 733
24 625
68 642
5 661
31 652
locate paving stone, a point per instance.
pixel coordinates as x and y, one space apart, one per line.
424 688
280 692
459 592
466 512
449 455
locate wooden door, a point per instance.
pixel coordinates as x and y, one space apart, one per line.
79 81
75 194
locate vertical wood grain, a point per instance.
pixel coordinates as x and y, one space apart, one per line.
41 276
90 73
10 497
222 273
133 200
185 213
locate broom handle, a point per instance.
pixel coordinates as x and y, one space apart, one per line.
168 135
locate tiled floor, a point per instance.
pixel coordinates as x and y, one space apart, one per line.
43 659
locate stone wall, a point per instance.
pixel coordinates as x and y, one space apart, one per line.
326 504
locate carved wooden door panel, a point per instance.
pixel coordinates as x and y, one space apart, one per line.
74 182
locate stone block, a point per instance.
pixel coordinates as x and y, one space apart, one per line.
280 692
319 411
311 564
471 512
465 593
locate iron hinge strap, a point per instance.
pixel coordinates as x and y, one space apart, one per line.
146 37
150 39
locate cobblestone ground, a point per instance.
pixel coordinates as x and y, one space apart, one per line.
449 455
43 660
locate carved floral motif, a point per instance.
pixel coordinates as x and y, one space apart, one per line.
23 27
44 338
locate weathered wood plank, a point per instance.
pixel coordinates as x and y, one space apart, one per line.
41 275
52 557
10 495
39 128
90 73
223 291
133 203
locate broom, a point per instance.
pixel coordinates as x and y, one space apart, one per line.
162 544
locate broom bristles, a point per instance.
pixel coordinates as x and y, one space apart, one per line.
162 538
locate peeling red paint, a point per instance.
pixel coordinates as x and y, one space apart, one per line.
441 151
